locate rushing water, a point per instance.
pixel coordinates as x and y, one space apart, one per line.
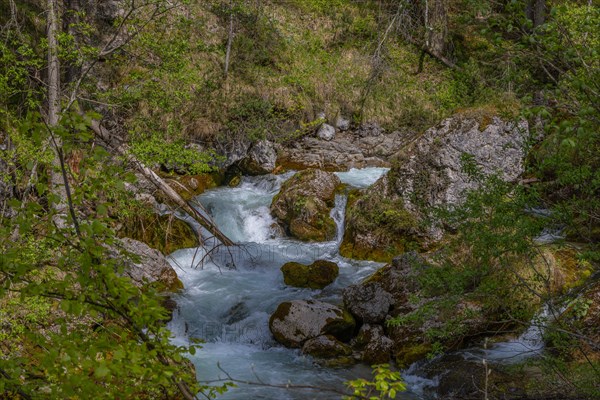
230 294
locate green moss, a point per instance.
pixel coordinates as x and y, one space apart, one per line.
315 276
378 228
412 352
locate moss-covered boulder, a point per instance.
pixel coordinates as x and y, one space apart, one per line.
295 322
379 227
304 203
315 276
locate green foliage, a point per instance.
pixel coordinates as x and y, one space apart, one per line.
386 384
155 151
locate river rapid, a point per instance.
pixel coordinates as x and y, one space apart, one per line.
230 294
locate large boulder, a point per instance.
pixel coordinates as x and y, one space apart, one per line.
295 322
387 290
148 266
315 276
304 203
368 302
389 217
260 159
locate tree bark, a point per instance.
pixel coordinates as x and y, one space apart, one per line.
57 184
229 41
436 26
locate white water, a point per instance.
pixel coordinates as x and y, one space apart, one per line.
361 178
229 297
529 344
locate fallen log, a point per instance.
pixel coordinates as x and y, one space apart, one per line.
167 190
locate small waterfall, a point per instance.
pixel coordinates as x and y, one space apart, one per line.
338 213
528 344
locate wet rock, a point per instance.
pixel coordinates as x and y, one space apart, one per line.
373 299
326 132
315 276
326 346
235 181
152 268
374 345
304 203
295 322
368 302
260 159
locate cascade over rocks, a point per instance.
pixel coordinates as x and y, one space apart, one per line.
387 218
315 276
304 203
295 322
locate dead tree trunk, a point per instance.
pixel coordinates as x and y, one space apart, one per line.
167 190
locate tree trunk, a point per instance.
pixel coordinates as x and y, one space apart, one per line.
436 26
229 41
57 184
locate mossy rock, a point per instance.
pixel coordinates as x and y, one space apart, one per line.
235 181
315 276
410 353
304 203
378 228
165 233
